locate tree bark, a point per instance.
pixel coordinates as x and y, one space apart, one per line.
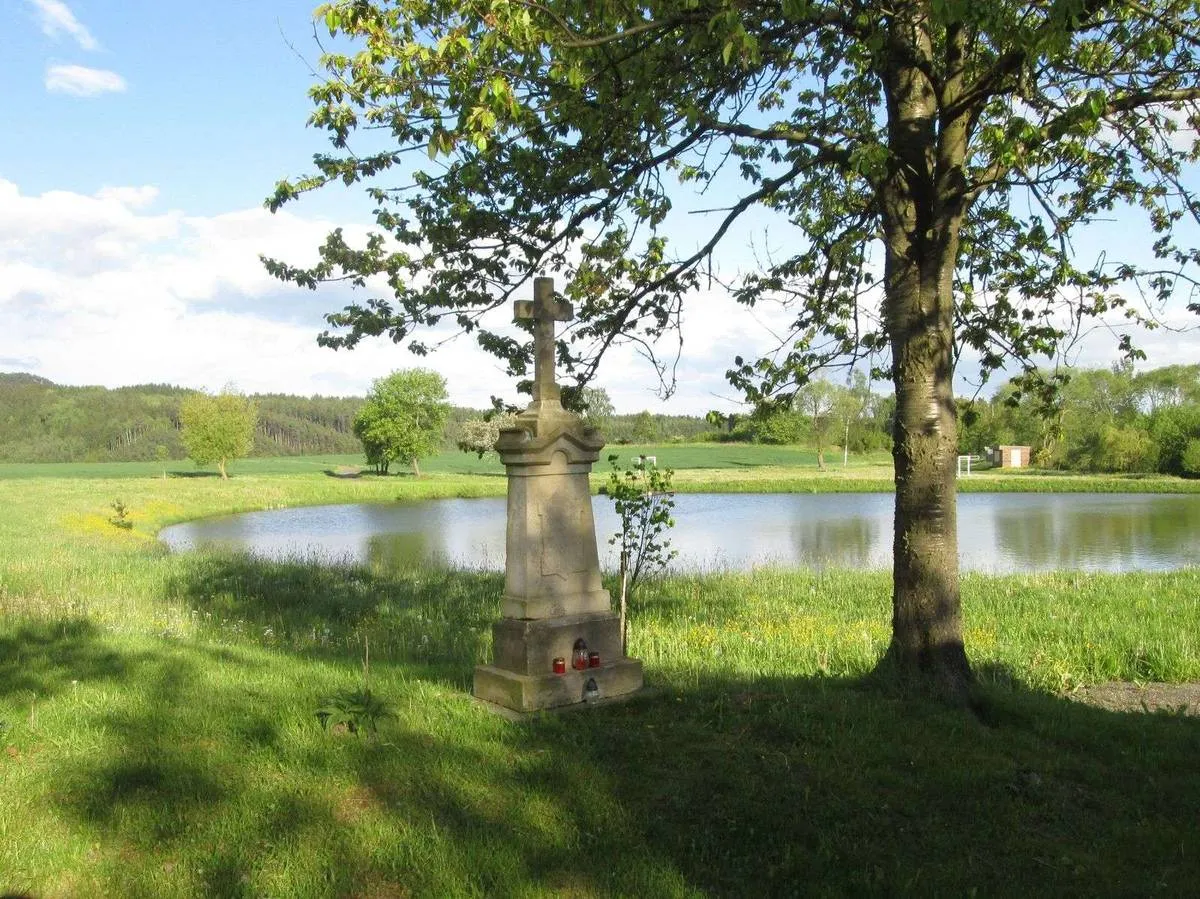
926 608
416 468
922 213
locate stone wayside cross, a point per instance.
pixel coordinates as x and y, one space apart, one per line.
545 310
554 606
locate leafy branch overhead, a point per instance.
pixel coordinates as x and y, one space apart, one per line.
558 131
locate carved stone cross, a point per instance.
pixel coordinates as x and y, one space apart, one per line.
545 311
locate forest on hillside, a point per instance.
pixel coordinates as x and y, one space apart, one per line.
1102 420
41 421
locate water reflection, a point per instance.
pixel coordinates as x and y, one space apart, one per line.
997 532
398 552
853 532
1099 532
850 542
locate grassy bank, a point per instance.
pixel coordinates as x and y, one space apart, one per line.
715 456
159 732
718 467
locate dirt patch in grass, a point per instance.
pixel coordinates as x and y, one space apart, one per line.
354 804
1120 696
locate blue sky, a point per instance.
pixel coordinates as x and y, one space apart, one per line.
211 111
140 139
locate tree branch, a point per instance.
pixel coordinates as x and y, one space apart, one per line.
1056 127
829 152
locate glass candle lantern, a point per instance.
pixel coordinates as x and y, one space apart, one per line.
579 655
591 690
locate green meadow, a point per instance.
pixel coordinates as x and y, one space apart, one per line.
159 729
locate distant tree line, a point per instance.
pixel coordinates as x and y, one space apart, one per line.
823 415
1102 420
1099 420
41 421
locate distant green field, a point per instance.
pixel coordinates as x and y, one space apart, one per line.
678 456
449 462
682 456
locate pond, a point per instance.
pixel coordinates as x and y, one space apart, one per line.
998 532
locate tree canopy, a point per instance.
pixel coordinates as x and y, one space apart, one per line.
217 428
479 435
403 418
1104 420
598 409
930 162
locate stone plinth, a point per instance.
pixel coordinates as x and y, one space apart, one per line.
552 590
531 693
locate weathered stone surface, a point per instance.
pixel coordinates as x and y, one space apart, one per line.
552 566
530 647
553 595
528 693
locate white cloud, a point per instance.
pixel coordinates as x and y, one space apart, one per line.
110 289
81 81
101 290
56 18
132 197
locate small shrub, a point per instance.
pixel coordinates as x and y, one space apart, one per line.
643 500
120 518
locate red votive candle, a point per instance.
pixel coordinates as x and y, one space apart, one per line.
593 660
560 665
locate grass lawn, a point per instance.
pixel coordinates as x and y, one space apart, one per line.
714 456
725 467
159 732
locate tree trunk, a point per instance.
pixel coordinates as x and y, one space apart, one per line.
926 611
416 468
221 468
921 204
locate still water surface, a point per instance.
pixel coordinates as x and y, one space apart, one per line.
998 532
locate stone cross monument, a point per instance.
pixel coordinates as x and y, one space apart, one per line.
558 642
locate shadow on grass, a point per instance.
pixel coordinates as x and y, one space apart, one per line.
42 659
201 770
779 782
412 614
776 787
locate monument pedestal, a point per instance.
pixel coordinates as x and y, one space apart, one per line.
553 597
522 676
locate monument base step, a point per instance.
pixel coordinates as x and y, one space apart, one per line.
531 692
645 694
530 647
